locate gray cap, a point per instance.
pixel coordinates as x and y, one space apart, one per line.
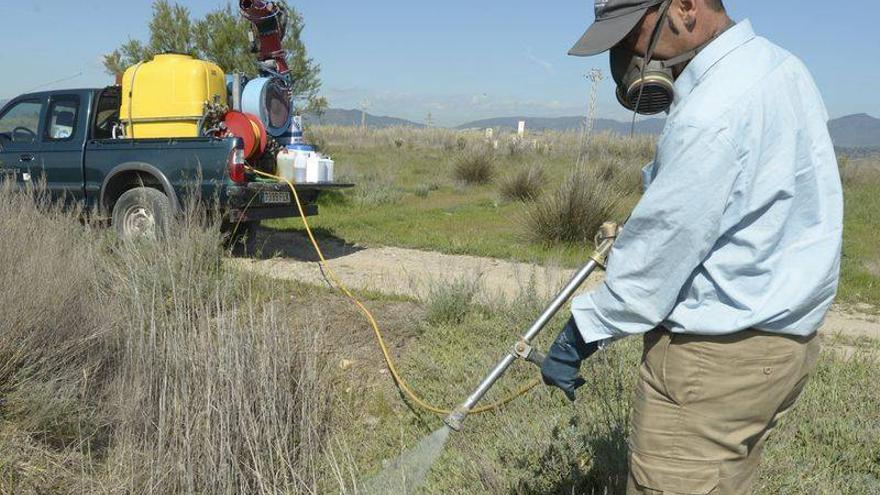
614 20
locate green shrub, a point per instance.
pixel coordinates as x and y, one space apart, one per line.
623 173
576 209
423 190
525 184
449 303
475 166
375 190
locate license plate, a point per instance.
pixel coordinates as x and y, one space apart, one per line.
276 197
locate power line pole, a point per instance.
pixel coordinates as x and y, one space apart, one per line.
595 76
364 106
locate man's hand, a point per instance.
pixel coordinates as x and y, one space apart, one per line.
562 366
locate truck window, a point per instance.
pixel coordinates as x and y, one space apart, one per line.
20 123
106 114
63 113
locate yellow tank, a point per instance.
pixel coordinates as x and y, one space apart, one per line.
166 96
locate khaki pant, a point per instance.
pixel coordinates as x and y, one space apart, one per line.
704 407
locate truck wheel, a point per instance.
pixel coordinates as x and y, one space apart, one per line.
141 213
241 238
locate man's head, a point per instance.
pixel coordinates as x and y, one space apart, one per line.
631 23
689 25
650 42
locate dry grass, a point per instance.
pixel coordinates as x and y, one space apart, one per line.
149 368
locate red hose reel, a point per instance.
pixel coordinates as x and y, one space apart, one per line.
250 129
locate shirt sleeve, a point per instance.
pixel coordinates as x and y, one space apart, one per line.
670 233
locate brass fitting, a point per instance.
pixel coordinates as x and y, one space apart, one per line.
609 230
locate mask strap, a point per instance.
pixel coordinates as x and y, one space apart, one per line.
655 38
688 56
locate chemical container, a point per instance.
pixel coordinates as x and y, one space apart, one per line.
313 168
302 165
166 96
325 170
291 164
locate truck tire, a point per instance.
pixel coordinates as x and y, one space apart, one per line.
142 213
240 239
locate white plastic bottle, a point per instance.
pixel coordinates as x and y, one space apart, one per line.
285 164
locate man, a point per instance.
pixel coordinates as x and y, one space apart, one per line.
730 262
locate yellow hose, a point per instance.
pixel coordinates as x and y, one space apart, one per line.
389 361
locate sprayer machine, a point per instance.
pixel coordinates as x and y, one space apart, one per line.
175 95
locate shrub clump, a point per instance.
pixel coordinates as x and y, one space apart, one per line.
423 190
450 303
475 166
525 184
576 209
375 190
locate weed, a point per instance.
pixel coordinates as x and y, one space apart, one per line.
525 184
575 210
451 302
423 190
373 190
475 166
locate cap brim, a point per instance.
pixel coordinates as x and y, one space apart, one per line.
604 34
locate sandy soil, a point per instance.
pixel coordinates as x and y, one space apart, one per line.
409 272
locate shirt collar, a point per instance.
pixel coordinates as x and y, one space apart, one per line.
729 41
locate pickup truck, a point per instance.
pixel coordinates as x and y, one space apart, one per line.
65 140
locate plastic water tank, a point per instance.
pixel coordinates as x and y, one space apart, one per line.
166 96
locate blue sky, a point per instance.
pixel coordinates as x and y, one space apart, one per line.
459 60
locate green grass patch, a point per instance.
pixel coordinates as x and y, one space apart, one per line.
860 269
406 196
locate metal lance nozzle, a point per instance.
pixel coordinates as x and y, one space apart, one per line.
523 349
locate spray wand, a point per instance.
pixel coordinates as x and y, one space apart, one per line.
523 349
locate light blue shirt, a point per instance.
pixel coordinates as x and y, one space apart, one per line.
741 222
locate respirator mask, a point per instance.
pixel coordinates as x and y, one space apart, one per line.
644 86
647 86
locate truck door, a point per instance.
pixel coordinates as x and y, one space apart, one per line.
62 147
19 141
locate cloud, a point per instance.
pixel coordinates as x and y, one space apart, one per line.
530 55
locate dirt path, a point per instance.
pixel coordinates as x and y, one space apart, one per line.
410 272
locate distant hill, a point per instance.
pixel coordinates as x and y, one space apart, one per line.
337 116
650 126
855 131
859 133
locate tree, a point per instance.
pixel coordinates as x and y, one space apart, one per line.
221 37
170 31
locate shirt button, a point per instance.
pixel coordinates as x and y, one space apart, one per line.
768 370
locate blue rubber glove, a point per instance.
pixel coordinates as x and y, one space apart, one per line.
561 367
